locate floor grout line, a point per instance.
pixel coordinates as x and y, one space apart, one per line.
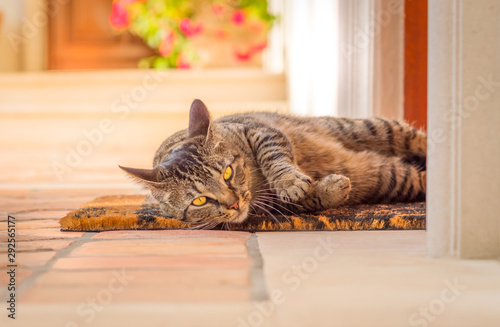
29 281
258 282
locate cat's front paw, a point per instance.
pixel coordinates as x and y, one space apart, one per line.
293 187
333 190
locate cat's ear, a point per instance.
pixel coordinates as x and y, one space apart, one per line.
199 119
148 176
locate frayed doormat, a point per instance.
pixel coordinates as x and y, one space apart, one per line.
118 212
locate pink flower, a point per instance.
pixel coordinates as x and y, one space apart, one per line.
259 46
188 28
182 62
119 17
250 52
128 2
243 55
218 9
167 44
238 17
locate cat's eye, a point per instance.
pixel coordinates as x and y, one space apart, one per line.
228 173
200 201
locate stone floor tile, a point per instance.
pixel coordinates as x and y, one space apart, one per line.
21 274
102 296
50 245
153 234
164 247
40 215
203 262
32 224
171 277
30 259
40 234
22 201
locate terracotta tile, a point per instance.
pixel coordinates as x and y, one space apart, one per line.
31 259
40 215
21 201
40 234
51 245
147 247
167 234
204 262
171 277
19 206
33 224
102 296
21 274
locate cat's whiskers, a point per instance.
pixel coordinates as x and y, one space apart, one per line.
276 197
266 181
261 182
205 225
211 224
283 180
270 189
258 187
258 205
273 202
199 226
253 209
274 208
216 223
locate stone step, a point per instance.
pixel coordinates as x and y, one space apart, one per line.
72 129
140 90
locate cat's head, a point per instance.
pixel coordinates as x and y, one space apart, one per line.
201 179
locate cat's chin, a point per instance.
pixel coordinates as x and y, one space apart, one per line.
241 216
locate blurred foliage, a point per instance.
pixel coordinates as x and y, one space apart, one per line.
171 27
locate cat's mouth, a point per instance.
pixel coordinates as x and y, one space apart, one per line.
242 215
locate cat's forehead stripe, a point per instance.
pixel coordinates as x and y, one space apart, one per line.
188 162
188 167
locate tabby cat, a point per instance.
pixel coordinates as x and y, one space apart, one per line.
218 171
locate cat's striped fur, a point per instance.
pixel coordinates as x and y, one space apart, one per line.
283 163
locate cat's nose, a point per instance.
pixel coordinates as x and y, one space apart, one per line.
235 206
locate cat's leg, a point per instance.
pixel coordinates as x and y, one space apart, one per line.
274 155
383 179
367 177
387 137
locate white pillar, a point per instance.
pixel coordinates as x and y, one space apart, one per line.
463 196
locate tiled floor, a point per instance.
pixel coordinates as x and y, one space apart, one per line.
92 271
223 278
196 278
